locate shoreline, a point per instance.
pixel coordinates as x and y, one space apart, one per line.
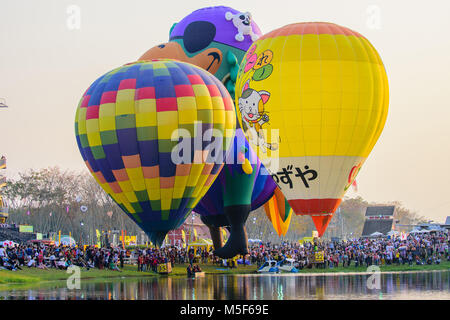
31 277
350 273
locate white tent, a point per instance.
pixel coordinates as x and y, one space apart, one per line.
8 243
66 241
376 234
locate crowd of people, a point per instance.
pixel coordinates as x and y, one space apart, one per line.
59 257
421 249
39 255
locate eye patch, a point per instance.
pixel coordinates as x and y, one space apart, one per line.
198 35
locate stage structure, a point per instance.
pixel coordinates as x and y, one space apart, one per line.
378 219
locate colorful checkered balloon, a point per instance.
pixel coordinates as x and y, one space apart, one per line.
131 122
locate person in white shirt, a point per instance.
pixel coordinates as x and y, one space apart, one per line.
2 252
31 263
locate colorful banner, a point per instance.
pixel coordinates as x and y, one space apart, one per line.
318 257
99 236
128 240
25 228
164 268
308 239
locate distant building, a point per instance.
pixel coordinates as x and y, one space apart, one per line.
378 219
189 231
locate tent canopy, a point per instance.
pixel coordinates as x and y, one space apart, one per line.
66 241
8 243
376 234
200 243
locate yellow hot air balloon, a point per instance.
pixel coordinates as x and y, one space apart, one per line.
313 100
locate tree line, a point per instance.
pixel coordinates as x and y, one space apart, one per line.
53 200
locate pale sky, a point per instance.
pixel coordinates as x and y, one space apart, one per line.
45 67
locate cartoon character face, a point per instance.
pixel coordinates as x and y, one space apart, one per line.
251 104
195 46
244 19
205 38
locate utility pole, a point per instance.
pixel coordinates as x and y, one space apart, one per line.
3 209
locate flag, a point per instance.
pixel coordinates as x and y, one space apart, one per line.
98 237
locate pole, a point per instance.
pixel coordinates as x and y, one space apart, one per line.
59 234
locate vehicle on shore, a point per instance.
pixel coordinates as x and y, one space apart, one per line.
269 267
43 242
287 265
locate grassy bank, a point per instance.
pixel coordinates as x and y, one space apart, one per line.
35 276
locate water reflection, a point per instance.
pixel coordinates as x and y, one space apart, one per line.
434 285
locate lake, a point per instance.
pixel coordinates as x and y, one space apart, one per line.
425 285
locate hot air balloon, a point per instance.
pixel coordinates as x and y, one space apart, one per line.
243 185
313 100
154 135
279 212
210 38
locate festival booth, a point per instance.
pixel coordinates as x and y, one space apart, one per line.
415 231
66 241
200 243
205 244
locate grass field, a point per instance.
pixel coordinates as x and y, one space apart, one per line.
34 276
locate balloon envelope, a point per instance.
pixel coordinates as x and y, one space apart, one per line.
154 135
234 185
207 39
313 97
